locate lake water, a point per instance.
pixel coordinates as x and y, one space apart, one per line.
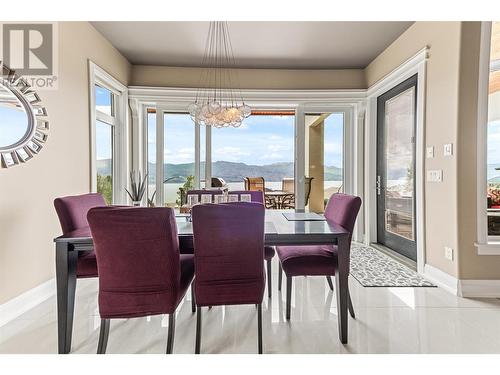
171 189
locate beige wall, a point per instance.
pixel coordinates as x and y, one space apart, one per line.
450 117
441 111
163 76
28 222
470 264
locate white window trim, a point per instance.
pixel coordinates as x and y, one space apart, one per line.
349 138
99 76
178 99
414 65
486 245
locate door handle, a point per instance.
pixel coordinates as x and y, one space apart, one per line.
379 185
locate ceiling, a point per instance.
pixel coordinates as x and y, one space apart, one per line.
273 45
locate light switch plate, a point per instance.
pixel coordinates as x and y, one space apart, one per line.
448 253
448 149
435 175
430 152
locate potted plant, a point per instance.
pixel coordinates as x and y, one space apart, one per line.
137 188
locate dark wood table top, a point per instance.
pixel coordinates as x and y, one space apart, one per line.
278 231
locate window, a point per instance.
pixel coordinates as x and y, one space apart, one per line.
493 135
334 154
109 169
179 156
104 135
263 146
151 156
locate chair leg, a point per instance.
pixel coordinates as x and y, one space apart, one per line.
103 336
330 283
351 308
193 301
268 267
259 327
171 333
288 296
280 275
198 330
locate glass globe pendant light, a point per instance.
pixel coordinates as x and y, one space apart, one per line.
219 102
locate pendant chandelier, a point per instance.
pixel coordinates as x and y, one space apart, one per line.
219 102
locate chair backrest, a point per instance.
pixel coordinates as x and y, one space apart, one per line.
218 182
255 184
255 196
137 251
343 209
72 210
229 243
201 192
288 185
307 188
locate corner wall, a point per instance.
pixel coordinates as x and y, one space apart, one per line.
28 222
441 117
450 117
471 266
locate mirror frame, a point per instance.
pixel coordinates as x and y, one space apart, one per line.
35 137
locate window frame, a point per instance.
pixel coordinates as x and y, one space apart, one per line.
486 244
118 121
171 99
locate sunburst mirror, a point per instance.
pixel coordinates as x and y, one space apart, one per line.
23 120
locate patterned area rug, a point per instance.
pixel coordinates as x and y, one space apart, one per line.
373 269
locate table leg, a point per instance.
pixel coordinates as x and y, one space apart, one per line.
342 287
66 285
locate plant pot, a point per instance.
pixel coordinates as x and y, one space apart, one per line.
136 203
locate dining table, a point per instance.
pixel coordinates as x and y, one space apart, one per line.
278 231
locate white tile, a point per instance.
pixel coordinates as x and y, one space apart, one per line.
388 320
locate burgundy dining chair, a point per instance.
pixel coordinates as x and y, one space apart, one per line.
229 248
258 196
141 271
72 213
319 260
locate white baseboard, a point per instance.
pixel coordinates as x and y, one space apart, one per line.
479 288
441 279
26 301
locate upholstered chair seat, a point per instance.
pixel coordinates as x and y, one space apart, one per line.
315 260
319 260
72 213
229 254
141 271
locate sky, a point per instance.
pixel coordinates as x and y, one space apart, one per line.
103 131
13 125
494 142
260 140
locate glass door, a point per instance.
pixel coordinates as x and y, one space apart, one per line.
324 158
396 115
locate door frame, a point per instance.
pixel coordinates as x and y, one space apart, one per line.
412 66
392 240
178 99
349 159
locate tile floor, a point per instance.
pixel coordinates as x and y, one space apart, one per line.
389 320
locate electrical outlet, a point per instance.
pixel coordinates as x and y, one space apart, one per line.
448 253
430 152
435 175
448 149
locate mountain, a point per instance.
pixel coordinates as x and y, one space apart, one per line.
103 167
493 173
229 171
